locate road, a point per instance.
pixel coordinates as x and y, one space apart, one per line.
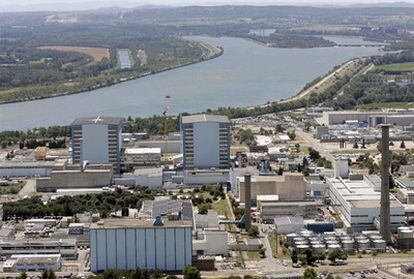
312 142
28 189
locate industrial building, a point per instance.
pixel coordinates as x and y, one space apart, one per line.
162 206
146 177
359 204
205 141
371 118
141 157
130 243
25 169
288 187
23 263
97 140
76 177
67 247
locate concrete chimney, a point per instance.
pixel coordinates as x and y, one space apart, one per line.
247 201
385 184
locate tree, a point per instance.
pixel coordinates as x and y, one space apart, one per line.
313 154
310 273
321 256
253 231
337 254
48 274
280 171
294 256
191 272
402 145
363 144
22 275
310 259
355 145
262 252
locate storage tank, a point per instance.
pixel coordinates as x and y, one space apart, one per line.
296 239
405 233
360 237
333 247
375 237
300 243
363 244
332 242
379 244
348 245
301 248
330 238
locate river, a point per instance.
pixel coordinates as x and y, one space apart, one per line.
246 74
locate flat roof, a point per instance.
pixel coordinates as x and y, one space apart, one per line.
143 150
359 193
120 223
26 164
204 118
97 120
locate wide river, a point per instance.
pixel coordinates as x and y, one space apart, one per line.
246 74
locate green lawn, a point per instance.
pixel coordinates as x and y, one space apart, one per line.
273 243
253 255
222 208
398 67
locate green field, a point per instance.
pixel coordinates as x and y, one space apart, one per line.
399 105
398 67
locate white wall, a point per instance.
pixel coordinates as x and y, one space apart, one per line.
163 248
95 144
206 145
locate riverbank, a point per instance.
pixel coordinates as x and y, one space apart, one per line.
209 52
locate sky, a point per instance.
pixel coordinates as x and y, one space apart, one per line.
20 5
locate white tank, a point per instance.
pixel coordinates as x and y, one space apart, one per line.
331 242
345 238
333 247
299 238
300 243
375 237
314 238
316 243
348 245
405 234
363 244
379 244
330 238
360 237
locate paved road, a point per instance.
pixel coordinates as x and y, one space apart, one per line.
312 142
28 189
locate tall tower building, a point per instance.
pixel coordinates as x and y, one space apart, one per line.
385 183
205 141
97 140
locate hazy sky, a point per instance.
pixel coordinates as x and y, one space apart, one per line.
34 5
175 2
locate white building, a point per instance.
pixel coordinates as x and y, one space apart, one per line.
206 141
66 247
142 156
25 169
359 203
21 263
97 140
128 243
211 242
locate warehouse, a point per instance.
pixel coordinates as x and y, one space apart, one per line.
142 157
130 243
288 187
359 203
25 169
20 263
67 248
92 176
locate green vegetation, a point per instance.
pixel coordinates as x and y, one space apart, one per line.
396 68
28 72
253 231
6 190
246 136
222 208
374 106
287 40
337 254
103 203
310 273
191 272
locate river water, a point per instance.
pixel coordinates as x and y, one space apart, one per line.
246 74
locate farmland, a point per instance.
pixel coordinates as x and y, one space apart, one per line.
396 68
96 53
